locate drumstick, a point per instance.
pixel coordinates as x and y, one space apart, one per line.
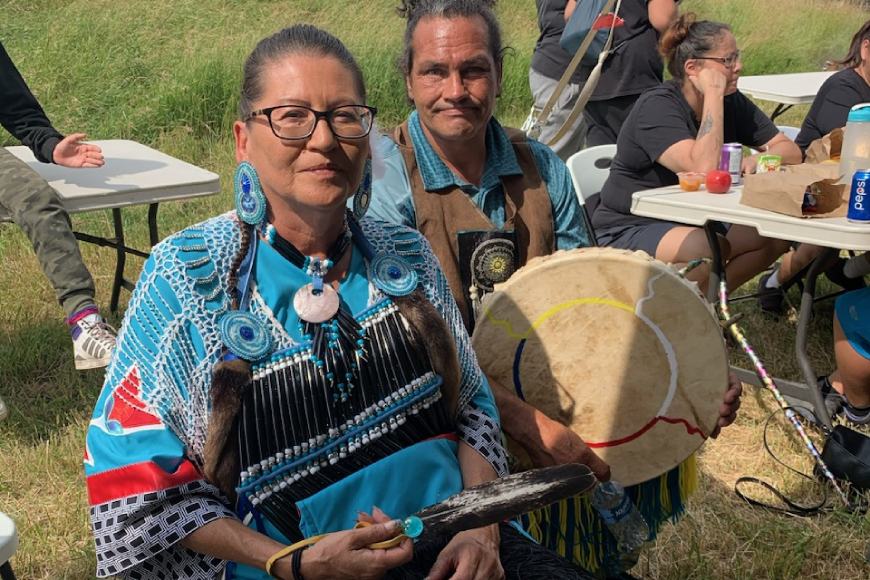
768 382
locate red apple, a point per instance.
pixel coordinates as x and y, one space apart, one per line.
718 181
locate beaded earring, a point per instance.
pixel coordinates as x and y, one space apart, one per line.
363 194
249 196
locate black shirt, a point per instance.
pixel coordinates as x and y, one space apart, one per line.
661 118
838 94
636 64
21 114
549 59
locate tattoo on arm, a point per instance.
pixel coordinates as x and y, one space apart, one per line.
706 126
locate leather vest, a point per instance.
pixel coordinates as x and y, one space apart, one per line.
442 214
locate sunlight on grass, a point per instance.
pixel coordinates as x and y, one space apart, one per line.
166 73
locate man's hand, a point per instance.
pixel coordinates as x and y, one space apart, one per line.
730 404
547 442
71 152
470 555
557 445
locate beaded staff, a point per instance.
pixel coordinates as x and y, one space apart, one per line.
771 386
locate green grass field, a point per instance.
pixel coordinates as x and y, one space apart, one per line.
166 73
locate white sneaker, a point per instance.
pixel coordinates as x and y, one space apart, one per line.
4 410
93 342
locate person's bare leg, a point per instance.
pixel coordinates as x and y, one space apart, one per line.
796 260
852 377
750 254
684 244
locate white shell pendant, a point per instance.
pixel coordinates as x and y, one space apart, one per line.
313 307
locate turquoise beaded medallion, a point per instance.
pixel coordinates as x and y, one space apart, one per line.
244 335
393 275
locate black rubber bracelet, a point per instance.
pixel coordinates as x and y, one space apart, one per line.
296 565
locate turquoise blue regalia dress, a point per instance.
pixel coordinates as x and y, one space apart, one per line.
146 441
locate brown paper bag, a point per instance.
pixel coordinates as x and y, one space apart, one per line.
783 191
826 148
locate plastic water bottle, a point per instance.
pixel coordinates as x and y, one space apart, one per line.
855 154
623 520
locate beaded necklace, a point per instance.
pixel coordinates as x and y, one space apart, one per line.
336 337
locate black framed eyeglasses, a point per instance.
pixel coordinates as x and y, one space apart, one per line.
294 122
729 61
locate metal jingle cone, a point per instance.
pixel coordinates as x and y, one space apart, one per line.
316 307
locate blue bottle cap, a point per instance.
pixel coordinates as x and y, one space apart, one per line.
860 113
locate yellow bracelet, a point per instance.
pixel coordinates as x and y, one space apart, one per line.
287 550
302 544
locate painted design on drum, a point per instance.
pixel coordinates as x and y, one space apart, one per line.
637 310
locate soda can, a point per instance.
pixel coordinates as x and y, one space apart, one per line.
810 204
859 202
732 161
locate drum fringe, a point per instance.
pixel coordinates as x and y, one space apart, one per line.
573 529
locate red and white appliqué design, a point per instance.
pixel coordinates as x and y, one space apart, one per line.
124 411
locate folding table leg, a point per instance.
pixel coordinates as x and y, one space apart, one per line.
779 110
806 311
120 260
152 224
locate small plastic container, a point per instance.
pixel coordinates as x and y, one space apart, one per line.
691 180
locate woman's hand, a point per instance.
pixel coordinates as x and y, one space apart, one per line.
710 82
346 554
749 164
470 555
730 404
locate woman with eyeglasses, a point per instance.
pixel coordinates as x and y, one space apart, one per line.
287 370
681 125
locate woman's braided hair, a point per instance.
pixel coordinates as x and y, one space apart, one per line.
233 280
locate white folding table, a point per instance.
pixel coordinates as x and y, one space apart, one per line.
8 545
701 208
785 90
134 174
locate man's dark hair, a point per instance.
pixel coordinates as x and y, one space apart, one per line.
417 10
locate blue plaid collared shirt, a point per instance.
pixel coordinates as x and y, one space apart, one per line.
393 201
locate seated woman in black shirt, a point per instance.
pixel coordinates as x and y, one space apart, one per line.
842 91
681 126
